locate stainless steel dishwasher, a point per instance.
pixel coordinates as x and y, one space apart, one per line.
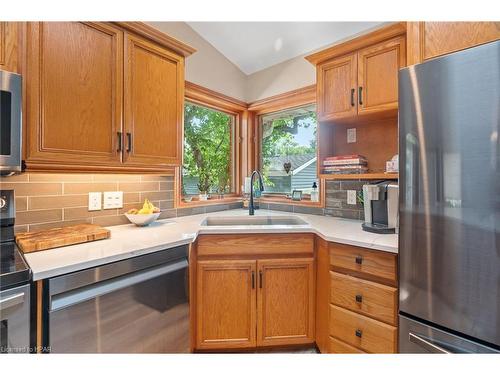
138 305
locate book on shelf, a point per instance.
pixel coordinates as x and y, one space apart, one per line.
345 160
345 169
343 157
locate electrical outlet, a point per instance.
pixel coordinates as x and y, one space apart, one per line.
351 135
113 199
95 201
351 197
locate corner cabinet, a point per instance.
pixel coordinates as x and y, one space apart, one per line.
249 293
99 98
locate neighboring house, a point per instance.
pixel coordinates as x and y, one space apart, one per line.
301 176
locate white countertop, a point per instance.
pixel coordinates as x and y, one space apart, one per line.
128 240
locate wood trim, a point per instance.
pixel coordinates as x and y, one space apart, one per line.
208 98
275 244
365 40
46 166
414 45
322 294
196 92
149 32
286 100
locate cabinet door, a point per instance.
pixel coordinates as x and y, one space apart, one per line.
9 46
337 95
74 93
154 97
378 68
440 38
225 304
285 301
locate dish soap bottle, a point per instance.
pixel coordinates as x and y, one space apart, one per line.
314 193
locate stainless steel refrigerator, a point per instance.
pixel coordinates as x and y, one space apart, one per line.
449 239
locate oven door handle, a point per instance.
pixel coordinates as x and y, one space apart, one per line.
11 301
66 299
429 346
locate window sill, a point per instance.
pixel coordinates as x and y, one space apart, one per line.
282 200
210 202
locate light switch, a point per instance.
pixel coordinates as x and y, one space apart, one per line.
95 201
113 199
351 197
351 135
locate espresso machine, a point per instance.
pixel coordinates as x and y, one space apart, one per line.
381 207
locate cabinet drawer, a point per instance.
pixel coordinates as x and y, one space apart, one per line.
339 347
366 297
362 332
366 263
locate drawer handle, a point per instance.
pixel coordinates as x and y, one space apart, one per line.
359 298
359 333
359 259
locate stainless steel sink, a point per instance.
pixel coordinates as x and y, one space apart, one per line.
252 220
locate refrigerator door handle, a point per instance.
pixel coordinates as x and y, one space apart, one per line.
427 345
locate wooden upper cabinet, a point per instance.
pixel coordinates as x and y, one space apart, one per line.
74 93
225 304
440 38
337 88
9 46
154 97
285 301
378 67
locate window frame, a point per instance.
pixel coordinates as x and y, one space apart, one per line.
202 96
289 100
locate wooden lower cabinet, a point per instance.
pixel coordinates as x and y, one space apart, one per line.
285 302
254 303
226 300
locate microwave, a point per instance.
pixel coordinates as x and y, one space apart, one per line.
10 122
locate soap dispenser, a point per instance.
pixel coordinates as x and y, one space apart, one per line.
314 193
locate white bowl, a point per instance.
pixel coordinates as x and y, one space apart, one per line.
142 220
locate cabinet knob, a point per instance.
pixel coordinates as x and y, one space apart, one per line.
359 298
359 259
359 333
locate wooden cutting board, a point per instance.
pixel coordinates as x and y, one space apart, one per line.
48 239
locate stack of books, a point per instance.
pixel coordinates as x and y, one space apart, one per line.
345 164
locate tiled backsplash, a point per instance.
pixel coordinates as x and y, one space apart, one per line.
336 202
336 199
46 200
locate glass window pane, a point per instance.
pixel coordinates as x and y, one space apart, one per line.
208 151
288 150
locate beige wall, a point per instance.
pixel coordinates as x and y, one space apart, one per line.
207 66
286 76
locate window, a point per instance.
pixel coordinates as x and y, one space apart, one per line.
208 151
288 150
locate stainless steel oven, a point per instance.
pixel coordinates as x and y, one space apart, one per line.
10 122
138 305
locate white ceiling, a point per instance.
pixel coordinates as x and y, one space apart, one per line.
253 46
